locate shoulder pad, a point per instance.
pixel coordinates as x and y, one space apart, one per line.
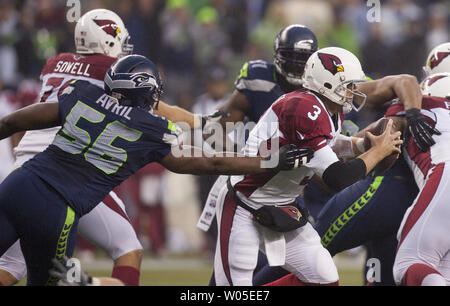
303 117
256 76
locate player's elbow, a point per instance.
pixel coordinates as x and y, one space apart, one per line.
8 126
340 175
407 79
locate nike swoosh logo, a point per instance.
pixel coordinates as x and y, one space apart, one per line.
300 135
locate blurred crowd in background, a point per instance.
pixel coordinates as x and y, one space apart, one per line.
199 47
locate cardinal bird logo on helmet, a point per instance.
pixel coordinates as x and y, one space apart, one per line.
435 78
109 26
331 63
437 58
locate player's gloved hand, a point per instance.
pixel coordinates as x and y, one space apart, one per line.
61 271
291 157
211 119
419 128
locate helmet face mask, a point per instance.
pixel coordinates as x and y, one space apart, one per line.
293 46
127 47
352 99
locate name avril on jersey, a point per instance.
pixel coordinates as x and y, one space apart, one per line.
72 68
113 106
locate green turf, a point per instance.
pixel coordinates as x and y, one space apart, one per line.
201 277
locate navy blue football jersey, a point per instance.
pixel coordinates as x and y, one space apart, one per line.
257 80
101 143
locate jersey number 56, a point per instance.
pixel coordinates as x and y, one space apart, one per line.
101 152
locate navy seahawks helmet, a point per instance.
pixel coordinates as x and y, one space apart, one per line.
293 46
134 80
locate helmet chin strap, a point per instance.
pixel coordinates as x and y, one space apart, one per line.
347 108
291 80
294 81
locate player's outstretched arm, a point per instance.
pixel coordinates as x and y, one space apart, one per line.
406 88
236 107
288 157
33 117
177 114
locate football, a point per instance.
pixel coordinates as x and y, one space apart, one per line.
377 129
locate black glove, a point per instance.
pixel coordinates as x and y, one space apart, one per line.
61 271
213 118
290 156
419 128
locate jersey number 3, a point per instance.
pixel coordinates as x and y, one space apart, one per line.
101 152
315 114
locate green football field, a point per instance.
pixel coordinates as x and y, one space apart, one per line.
193 270
201 277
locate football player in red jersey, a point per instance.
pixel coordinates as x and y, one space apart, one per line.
100 38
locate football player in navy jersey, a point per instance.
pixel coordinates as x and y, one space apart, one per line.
260 83
106 136
100 38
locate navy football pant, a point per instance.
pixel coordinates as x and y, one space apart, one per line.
368 212
32 211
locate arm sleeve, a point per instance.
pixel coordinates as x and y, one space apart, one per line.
340 175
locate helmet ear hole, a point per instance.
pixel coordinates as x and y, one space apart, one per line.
328 85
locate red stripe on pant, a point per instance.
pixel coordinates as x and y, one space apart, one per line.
425 196
226 222
111 203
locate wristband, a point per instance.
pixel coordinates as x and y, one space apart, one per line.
360 145
198 122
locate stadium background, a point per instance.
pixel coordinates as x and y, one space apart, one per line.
199 46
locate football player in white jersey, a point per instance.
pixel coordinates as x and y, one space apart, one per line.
423 248
100 38
259 211
422 256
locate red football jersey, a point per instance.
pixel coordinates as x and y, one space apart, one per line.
62 68
299 118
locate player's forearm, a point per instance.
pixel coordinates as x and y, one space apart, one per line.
235 165
225 165
178 114
372 157
408 91
33 117
404 86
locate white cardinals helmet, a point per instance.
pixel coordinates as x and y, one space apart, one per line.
437 85
334 72
102 31
438 60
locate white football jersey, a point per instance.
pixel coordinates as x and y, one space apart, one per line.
437 113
